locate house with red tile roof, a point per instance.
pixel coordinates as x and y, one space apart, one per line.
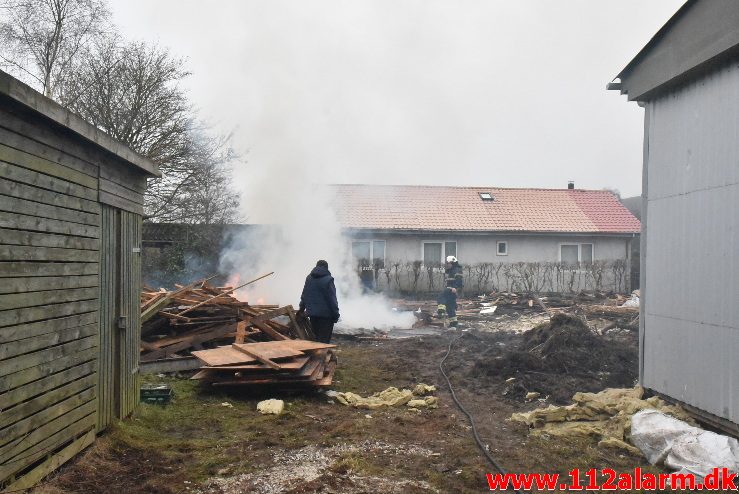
391 224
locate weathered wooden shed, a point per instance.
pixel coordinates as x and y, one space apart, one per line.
71 206
687 80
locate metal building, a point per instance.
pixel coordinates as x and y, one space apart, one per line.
71 206
687 80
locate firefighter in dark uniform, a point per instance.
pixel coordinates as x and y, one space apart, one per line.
448 299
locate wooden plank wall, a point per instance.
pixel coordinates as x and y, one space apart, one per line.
49 265
131 226
51 187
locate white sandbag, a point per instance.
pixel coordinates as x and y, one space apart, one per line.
680 446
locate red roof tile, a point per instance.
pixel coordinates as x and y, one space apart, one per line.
401 207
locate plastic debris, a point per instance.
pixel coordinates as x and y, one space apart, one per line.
680 446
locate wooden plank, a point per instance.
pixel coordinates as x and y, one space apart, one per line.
36 194
228 355
120 202
47 383
21 316
24 410
24 143
19 221
53 254
31 374
254 353
123 176
34 299
17 269
42 449
20 237
41 165
53 420
35 329
34 476
283 311
188 343
269 331
30 208
22 362
33 284
29 428
294 364
58 137
28 345
328 375
270 349
29 177
120 191
297 327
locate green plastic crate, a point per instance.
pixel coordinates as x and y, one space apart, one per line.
158 394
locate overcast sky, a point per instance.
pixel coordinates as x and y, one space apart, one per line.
499 93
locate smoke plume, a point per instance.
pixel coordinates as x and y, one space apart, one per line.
299 227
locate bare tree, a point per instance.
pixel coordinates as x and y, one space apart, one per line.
43 39
133 92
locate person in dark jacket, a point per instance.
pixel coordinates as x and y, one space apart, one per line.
448 298
318 300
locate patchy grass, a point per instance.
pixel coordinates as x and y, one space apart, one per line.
196 439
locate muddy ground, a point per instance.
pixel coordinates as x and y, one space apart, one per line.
215 442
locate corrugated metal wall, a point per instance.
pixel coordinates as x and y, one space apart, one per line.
691 309
120 282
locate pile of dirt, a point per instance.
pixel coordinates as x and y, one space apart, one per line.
564 349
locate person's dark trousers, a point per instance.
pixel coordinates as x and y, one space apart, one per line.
323 328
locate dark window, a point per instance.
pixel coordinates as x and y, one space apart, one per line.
432 253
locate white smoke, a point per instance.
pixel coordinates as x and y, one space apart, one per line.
301 227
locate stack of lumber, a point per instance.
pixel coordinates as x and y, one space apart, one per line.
285 363
199 316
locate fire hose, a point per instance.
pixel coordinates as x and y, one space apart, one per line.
476 436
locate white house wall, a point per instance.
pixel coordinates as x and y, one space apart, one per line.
473 249
691 311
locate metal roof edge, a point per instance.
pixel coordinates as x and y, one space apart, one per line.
30 98
656 38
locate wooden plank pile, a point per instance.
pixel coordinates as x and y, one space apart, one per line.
285 363
200 316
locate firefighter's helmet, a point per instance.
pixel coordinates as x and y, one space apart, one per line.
451 259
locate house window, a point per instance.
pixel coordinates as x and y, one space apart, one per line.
502 248
378 254
486 196
437 252
586 253
361 252
369 253
576 253
432 252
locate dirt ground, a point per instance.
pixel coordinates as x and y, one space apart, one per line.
216 443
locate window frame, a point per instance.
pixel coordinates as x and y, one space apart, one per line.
371 242
443 249
497 247
579 250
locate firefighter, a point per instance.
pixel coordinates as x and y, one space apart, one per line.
447 301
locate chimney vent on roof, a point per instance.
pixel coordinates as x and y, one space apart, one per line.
571 185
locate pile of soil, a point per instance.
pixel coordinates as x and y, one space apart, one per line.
554 357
